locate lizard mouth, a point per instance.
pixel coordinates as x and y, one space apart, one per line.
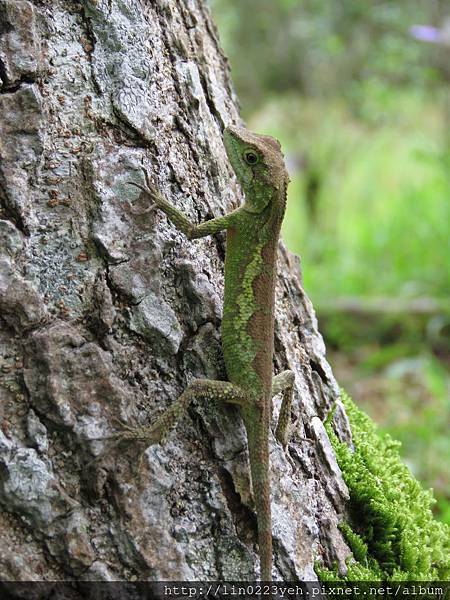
231 141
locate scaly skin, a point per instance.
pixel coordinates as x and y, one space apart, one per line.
248 316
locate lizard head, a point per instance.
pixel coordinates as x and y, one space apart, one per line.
258 163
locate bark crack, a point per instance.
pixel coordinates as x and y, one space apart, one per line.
10 87
90 37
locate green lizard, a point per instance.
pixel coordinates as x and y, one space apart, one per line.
248 314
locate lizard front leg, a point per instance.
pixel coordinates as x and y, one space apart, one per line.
180 220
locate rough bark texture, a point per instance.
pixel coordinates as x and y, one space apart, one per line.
106 313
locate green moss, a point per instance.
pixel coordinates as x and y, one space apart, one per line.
391 533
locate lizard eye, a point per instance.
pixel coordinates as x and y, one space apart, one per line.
250 157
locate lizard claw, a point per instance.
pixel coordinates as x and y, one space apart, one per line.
147 178
127 433
149 190
140 213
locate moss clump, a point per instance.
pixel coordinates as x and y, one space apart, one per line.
391 533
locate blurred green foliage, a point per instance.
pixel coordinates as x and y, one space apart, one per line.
369 206
322 48
362 111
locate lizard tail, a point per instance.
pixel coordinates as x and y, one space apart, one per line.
259 466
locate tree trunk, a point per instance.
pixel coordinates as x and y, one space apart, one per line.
107 313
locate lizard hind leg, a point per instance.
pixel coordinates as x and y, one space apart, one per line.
157 432
284 382
200 389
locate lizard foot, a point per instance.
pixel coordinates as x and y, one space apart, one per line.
149 190
128 434
148 436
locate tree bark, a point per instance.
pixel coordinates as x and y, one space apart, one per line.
107 313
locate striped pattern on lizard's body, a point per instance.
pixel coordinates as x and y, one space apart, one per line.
248 315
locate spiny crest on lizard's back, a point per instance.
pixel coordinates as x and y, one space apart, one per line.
257 161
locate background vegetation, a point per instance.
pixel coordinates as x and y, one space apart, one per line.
361 107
